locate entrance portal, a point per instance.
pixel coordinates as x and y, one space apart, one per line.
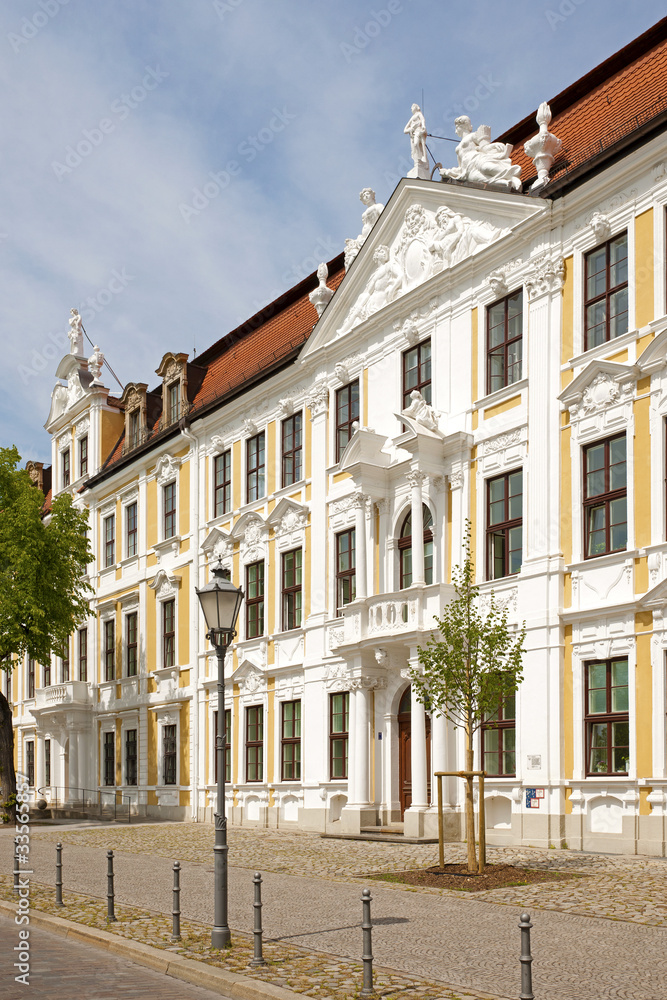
405 752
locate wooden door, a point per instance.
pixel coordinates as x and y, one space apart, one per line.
405 753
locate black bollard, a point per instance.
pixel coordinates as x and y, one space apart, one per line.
176 904
59 874
111 916
367 957
258 957
526 959
16 865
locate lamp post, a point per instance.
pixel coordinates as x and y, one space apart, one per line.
220 603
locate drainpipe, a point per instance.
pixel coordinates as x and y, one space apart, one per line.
193 442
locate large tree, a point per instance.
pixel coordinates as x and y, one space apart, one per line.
43 588
470 669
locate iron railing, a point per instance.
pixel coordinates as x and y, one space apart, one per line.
102 802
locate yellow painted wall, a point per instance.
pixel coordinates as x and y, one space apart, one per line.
567 343
112 427
642 466
619 358
119 754
644 268
507 404
568 709
643 693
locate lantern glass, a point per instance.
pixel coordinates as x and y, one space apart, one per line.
220 602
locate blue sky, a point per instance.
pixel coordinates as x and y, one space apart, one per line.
278 112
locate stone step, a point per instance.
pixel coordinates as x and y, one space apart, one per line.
382 838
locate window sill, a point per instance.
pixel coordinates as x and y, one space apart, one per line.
162 548
609 347
285 491
608 558
500 395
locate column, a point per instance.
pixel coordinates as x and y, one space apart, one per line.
39 762
418 763
359 502
361 762
317 400
352 749
416 478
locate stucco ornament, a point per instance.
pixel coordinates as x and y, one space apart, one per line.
416 129
546 274
166 469
601 226
480 160
600 393
317 398
543 148
420 411
457 236
382 287
95 362
75 332
369 217
321 296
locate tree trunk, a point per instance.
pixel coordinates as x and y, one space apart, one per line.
7 773
470 808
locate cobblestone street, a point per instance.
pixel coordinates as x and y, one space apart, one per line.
468 941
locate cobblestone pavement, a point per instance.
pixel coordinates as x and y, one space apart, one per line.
312 891
70 970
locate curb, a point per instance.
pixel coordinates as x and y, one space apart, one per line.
229 984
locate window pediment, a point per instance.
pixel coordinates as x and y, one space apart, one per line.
600 397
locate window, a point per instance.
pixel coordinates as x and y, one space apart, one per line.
339 724
405 548
605 502
504 328
47 762
504 525
134 429
131 642
291 589
168 633
228 745
46 673
83 455
169 755
109 650
606 291
346 590
109 759
83 654
64 458
222 496
130 756
255 465
417 372
347 411
290 741
131 530
607 721
30 761
291 450
173 397
109 540
498 743
254 746
31 678
64 665
169 500
254 602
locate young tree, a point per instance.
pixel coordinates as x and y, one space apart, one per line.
470 669
43 590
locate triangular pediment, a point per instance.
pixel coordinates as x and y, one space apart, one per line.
426 228
287 509
217 544
599 384
656 597
654 357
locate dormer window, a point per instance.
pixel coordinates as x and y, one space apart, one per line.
173 371
173 399
134 401
133 421
65 466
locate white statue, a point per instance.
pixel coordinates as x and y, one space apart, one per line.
457 237
321 296
382 287
416 129
480 160
95 362
421 411
369 217
543 148
75 332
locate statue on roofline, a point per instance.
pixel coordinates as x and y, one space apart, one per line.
480 160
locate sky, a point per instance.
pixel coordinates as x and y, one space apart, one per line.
169 167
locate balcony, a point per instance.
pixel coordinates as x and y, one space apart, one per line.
73 693
402 614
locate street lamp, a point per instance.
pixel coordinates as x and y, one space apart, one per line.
220 603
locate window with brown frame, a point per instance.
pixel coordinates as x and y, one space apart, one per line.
168 633
254 743
64 664
339 734
346 588
46 674
227 748
169 502
47 762
65 466
83 455
109 758
169 755
30 761
290 741
405 548
291 432
347 411
134 429
606 291
498 740
109 650
254 602
255 467
131 639
222 490
607 719
31 678
605 499
130 756
417 372
83 654
504 525
174 398
504 341
109 540
131 529
291 589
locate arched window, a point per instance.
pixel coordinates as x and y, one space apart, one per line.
405 548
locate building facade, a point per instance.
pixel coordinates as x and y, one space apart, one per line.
492 350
